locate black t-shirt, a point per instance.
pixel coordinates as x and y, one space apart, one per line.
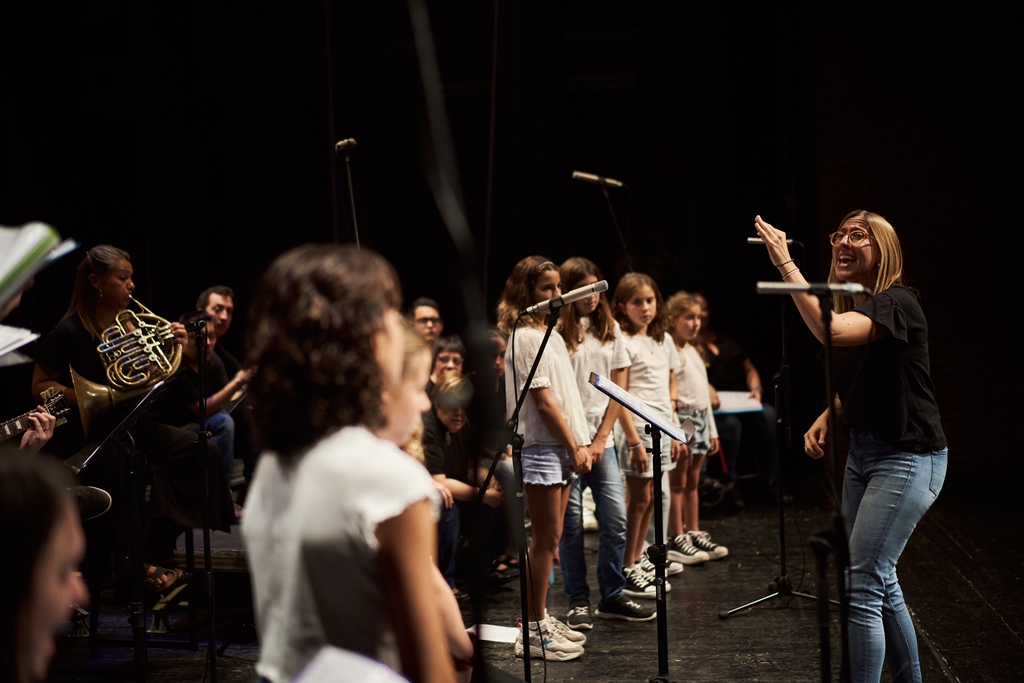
725 369
70 345
67 346
443 452
172 407
227 359
885 386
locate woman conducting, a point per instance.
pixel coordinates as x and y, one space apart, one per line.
884 394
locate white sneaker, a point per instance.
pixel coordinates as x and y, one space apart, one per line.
563 630
552 647
682 550
702 541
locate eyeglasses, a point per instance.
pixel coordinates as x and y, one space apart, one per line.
427 321
855 237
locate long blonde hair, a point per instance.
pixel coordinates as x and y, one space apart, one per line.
675 306
890 265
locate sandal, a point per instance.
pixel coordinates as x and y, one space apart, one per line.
510 561
160 579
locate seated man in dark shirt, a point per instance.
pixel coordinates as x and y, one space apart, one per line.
219 303
179 405
447 460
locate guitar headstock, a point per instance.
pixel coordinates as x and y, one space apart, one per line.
55 404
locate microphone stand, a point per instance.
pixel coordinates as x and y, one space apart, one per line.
780 585
833 539
204 465
514 439
351 195
836 537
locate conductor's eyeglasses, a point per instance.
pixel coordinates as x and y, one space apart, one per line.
855 237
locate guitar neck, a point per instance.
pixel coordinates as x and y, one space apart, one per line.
12 428
54 404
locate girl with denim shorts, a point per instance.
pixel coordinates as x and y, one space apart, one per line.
554 428
650 377
687 543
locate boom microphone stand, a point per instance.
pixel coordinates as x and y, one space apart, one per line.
780 586
834 538
204 464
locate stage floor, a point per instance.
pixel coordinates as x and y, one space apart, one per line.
961 574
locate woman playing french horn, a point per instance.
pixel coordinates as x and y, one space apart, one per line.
102 292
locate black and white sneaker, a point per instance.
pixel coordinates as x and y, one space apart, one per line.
638 584
647 566
578 617
621 607
702 541
680 549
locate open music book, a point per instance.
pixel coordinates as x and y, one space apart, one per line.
23 253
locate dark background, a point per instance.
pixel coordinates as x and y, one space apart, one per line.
199 137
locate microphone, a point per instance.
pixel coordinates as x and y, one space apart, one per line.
342 145
597 179
758 240
848 288
575 295
195 325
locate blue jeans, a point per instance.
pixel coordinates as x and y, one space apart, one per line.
885 494
605 481
448 525
757 429
222 432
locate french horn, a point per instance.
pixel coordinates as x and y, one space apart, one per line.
137 351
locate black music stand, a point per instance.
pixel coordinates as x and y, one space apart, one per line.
656 425
120 437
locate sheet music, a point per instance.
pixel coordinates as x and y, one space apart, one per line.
737 402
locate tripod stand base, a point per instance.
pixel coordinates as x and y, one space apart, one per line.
781 589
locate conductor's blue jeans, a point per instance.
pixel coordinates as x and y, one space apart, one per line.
885 494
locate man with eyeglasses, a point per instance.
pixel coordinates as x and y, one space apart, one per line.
426 319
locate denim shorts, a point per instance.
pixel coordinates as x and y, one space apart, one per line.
623 449
700 442
547 465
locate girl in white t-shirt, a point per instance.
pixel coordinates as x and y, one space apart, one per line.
554 429
651 378
686 542
596 345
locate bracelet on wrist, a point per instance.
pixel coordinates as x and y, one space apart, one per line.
757 388
795 270
636 445
779 265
